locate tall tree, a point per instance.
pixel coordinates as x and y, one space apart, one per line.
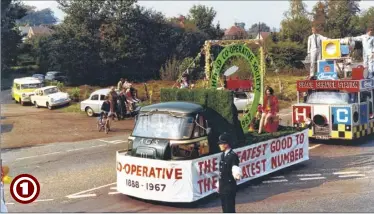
342 18
203 17
320 16
263 27
10 36
296 25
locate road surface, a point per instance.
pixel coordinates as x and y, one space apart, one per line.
81 177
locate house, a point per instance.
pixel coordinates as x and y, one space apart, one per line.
262 35
39 31
236 32
24 30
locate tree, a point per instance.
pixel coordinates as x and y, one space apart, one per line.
342 19
366 20
253 30
10 36
203 17
38 17
296 25
320 16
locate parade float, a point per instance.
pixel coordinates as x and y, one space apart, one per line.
339 103
172 153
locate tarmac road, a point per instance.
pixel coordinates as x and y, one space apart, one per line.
81 177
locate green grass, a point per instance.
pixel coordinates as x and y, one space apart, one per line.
73 108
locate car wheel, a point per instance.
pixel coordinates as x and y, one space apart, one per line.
89 112
49 107
36 105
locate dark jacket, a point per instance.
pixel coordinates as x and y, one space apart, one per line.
227 182
105 106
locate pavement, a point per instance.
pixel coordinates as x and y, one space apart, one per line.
81 177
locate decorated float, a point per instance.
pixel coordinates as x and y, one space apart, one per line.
339 103
172 153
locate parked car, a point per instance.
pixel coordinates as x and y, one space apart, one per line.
23 88
93 104
49 97
56 76
242 100
39 76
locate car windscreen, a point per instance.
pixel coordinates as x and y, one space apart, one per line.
331 97
165 126
50 91
31 86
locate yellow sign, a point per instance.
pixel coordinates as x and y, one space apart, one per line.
331 49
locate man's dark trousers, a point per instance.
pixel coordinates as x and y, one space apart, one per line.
228 201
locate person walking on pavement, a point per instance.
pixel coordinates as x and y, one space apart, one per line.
227 181
367 49
315 50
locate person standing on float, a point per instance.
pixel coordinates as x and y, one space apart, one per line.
367 49
315 50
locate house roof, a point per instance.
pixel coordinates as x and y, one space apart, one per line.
40 30
234 30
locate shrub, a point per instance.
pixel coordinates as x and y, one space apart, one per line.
75 94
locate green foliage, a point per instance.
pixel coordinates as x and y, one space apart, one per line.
73 108
75 94
287 54
170 71
10 35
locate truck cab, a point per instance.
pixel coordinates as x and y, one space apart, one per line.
170 131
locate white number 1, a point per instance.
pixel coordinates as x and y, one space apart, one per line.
25 188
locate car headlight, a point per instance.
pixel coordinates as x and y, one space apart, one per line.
129 147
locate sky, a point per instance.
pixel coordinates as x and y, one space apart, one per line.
228 12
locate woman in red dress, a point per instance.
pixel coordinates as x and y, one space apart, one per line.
270 108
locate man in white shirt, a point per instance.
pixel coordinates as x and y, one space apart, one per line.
367 49
314 50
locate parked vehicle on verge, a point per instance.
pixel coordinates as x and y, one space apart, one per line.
56 76
92 105
242 100
23 88
39 76
49 96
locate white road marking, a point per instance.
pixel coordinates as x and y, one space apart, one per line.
113 193
314 178
97 146
309 175
113 141
70 150
9 203
78 194
38 155
315 146
345 173
275 181
113 188
42 200
278 177
352 175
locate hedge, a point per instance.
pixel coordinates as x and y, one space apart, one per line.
222 114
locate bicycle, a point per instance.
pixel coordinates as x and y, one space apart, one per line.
103 123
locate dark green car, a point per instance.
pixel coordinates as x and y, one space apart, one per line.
170 131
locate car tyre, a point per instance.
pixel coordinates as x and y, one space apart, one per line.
89 112
48 106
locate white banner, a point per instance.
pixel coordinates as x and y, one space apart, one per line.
187 181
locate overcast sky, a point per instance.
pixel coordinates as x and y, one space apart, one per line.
228 12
